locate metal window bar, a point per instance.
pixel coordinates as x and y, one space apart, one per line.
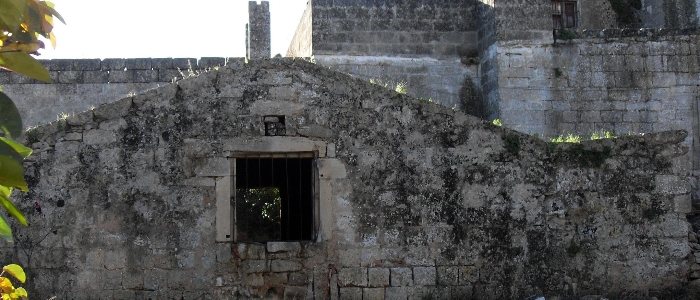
284 219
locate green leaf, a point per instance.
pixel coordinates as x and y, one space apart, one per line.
12 209
12 173
11 12
20 149
24 64
10 119
16 271
5 191
5 230
50 7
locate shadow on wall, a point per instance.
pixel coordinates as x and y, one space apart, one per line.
471 99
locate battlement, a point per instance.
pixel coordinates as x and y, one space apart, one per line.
117 70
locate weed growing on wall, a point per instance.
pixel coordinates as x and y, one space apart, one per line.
572 138
400 87
497 122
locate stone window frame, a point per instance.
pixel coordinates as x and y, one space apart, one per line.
329 169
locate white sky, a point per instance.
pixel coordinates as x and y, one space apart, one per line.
164 28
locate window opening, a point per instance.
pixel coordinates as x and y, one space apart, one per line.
274 126
274 197
564 14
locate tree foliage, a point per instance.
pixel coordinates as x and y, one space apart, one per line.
22 23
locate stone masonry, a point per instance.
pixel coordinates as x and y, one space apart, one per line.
414 199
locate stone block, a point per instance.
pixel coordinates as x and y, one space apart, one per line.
254 266
113 110
211 62
133 279
80 118
352 277
86 64
114 259
424 275
94 77
161 63
214 166
282 108
401 277
378 277
137 63
447 275
293 247
314 130
297 292
146 76
373 293
284 266
184 63
122 76
299 278
223 252
468 275
274 144
330 168
73 136
113 124
97 137
350 293
113 64
62 64
671 185
397 293
249 251
275 279
70 77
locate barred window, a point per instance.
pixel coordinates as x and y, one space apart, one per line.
274 197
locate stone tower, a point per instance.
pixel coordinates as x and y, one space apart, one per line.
258 30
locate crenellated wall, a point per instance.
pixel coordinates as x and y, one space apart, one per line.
81 84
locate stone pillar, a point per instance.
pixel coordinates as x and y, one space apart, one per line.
258 30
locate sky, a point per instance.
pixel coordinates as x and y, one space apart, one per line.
164 28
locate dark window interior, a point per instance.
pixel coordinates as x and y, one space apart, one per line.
274 198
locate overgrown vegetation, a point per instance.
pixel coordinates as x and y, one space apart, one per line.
22 22
557 72
572 138
566 34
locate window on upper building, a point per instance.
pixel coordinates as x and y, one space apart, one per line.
274 197
564 14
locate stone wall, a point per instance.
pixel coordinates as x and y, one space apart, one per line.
300 45
420 43
414 199
644 82
669 14
529 21
394 28
80 84
596 14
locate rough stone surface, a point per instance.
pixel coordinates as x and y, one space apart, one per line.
437 202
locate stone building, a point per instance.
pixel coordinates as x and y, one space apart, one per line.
284 179
180 188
